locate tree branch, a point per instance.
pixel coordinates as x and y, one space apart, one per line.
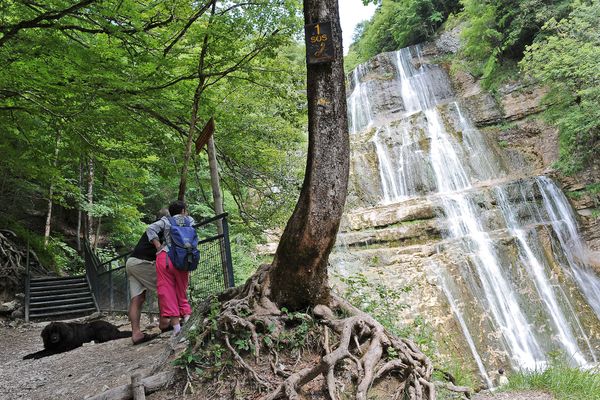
245 59
193 19
159 117
11 30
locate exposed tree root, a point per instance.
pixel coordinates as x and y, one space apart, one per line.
412 368
357 351
12 262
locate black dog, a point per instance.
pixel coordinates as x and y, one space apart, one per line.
59 337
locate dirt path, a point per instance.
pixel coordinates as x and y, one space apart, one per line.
77 374
526 395
93 368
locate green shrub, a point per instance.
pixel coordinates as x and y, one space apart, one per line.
563 382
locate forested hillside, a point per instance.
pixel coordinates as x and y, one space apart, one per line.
98 100
552 43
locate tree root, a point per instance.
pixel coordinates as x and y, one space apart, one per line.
248 368
362 335
12 262
357 344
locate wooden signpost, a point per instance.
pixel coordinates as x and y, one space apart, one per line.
319 43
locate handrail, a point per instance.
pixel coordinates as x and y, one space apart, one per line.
209 220
27 283
210 239
108 271
114 259
107 281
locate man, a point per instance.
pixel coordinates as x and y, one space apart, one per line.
141 272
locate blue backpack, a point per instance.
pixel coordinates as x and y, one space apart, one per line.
184 252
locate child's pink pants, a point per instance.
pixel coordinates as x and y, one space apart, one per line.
171 287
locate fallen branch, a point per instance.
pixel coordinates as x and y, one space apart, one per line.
124 392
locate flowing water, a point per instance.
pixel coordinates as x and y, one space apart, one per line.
511 246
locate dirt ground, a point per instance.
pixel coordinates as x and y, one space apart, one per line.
94 368
526 395
77 374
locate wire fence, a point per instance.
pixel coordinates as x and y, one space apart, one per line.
214 273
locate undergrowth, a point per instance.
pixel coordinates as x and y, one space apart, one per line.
385 304
563 382
207 358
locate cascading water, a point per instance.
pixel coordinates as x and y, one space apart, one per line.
424 145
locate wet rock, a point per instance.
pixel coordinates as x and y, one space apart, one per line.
385 215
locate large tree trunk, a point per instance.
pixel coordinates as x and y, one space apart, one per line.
299 274
51 192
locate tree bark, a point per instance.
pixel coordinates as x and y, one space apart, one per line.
195 105
215 183
190 140
90 198
51 192
98 223
79 208
299 274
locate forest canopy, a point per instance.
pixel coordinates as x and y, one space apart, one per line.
95 106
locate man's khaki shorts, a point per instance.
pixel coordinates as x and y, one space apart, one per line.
142 276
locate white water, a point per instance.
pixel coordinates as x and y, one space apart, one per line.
463 325
565 226
359 107
434 149
545 287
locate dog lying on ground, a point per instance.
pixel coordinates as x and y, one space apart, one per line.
60 337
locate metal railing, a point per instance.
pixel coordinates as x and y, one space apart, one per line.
214 273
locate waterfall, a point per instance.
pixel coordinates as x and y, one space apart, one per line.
425 146
463 325
565 226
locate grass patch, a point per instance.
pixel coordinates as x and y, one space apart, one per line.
563 382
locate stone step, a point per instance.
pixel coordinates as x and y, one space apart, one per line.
62 312
61 302
71 286
40 299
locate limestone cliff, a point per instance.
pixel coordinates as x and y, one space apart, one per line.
452 195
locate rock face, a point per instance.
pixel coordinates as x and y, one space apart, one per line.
530 144
460 211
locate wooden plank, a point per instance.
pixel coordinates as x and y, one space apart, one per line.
124 392
137 387
208 130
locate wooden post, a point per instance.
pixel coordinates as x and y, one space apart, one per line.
137 387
